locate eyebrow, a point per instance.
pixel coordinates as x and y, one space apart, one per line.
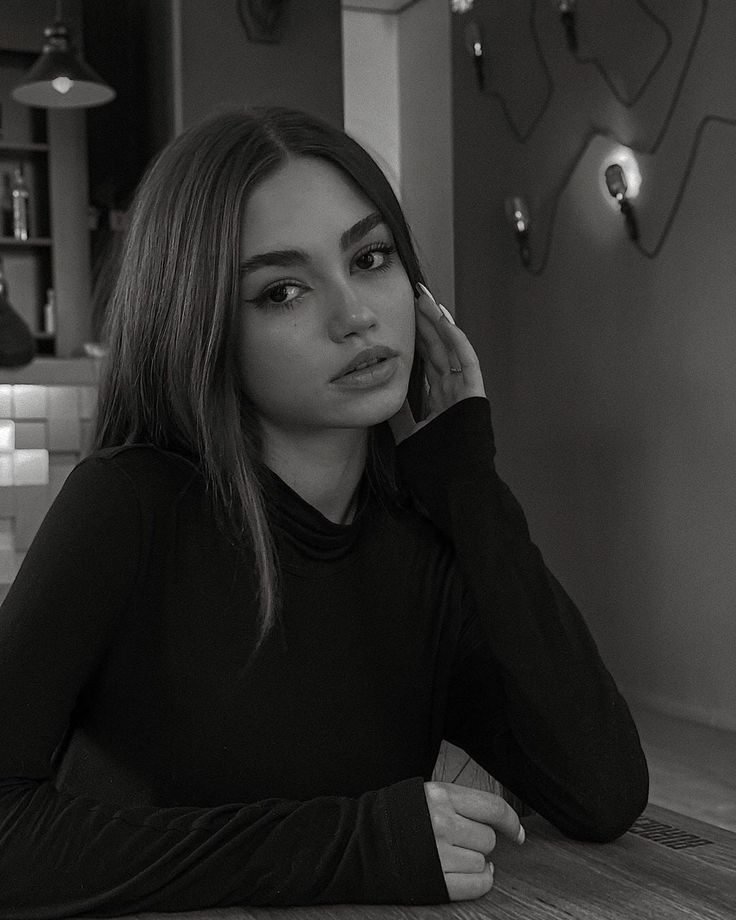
284 257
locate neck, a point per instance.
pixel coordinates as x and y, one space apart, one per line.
325 468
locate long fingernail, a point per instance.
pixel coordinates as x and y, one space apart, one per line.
427 293
448 315
522 835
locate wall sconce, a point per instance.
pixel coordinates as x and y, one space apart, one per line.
461 6
59 79
474 44
262 20
617 188
517 214
566 9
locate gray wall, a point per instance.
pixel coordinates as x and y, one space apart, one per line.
613 375
221 68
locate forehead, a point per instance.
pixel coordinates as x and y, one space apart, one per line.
308 200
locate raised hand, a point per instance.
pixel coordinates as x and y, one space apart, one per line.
451 365
465 822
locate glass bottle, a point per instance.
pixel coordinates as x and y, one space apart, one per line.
20 194
49 312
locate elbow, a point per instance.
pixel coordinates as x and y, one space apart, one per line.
614 809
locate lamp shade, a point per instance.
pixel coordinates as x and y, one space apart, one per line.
59 79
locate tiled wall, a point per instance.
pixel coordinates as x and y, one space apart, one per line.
44 432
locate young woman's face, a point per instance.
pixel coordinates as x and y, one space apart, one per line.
322 289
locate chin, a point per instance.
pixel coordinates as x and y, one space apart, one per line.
385 406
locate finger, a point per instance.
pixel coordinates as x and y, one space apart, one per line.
425 293
437 355
465 886
475 835
459 859
453 337
457 343
486 808
433 319
434 347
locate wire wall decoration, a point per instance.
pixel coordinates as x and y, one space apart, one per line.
571 14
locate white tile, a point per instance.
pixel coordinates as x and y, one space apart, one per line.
31 467
6 400
29 401
6 470
31 435
7 435
63 402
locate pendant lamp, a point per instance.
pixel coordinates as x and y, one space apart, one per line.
59 79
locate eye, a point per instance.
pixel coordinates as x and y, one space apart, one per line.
283 294
375 257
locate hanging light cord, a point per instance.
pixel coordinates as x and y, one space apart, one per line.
648 151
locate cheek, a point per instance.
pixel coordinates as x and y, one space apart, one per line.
271 361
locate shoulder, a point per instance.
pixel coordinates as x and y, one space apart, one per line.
146 469
126 484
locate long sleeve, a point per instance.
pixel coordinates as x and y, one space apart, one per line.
530 698
69 854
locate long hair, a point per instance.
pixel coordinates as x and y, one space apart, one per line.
171 375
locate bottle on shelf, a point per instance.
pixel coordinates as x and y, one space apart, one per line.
6 207
49 313
20 195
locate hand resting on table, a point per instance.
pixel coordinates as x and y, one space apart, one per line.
465 822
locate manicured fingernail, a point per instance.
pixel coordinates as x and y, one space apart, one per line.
522 835
427 293
448 315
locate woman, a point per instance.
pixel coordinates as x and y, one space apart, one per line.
279 580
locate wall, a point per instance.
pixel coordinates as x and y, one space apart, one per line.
370 63
426 139
610 366
397 104
22 23
222 69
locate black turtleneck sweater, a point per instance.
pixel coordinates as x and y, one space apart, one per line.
143 766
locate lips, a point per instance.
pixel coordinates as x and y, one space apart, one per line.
367 358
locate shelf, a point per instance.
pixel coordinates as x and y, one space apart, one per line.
10 241
23 148
45 369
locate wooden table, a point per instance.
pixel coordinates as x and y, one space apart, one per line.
668 867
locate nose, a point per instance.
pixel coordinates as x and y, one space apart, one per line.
349 314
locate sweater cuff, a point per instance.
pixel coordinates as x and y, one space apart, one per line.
458 443
413 849
455 447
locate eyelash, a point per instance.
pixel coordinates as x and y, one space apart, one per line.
262 301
